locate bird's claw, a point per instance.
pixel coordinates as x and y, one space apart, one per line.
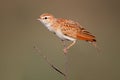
65 50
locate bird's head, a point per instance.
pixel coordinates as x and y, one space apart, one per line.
46 18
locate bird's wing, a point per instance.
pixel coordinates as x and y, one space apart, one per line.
75 30
85 35
68 27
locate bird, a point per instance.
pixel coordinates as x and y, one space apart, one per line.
66 30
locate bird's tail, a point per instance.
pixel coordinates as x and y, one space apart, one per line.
86 37
89 38
96 46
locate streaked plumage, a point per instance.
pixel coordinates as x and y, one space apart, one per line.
66 29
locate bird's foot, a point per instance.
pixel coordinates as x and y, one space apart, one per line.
65 50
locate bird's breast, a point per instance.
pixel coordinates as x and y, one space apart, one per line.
49 27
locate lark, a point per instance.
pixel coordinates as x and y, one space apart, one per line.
66 30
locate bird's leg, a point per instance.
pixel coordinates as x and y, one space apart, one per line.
71 44
63 43
66 48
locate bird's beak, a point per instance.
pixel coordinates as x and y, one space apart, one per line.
38 19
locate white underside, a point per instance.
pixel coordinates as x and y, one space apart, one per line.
63 37
58 33
48 26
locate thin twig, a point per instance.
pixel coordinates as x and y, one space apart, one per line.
49 63
66 60
66 66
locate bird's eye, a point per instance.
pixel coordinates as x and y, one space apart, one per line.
45 18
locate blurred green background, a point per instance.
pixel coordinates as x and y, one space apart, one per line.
19 31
